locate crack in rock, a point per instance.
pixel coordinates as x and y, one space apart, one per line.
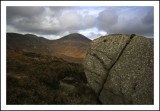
131 37
126 76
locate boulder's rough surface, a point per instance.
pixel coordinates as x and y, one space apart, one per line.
119 68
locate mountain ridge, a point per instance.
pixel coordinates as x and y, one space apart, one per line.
69 47
72 36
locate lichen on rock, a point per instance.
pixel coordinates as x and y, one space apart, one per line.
119 68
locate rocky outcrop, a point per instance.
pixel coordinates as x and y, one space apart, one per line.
119 68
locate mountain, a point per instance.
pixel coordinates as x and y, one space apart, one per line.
71 47
27 43
74 37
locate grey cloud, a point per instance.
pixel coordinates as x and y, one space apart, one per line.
137 28
58 20
107 18
70 20
47 20
24 18
139 21
24 11
89 21
61 8
149 17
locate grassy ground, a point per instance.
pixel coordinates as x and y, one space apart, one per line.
37 79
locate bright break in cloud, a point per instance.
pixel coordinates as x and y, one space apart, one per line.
54 22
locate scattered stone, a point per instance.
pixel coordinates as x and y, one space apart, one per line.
67 84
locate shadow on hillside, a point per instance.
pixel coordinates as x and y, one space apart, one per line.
41 79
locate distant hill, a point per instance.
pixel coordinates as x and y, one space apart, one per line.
28 43
71 47
75 37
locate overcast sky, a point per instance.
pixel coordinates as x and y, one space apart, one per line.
55 22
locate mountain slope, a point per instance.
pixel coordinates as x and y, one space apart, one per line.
41 79
71 47
26 43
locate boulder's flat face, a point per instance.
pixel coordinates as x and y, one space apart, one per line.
119 68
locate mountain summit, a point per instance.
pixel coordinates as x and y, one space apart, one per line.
74 37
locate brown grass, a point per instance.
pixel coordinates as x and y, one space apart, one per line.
35 79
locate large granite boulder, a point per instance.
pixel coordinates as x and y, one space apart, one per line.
119 68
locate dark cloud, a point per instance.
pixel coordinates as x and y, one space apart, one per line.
31 19
149 17
139 21
23 11
61 20
107 18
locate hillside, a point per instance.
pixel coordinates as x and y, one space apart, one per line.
72 47
28 43
37 72
41 79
